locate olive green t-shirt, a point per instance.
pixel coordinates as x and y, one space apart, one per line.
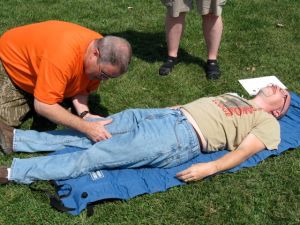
227 119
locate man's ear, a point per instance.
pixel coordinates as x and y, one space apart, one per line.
96 52
276 113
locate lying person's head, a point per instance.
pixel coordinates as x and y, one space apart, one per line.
274 99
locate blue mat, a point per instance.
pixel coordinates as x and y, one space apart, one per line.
127 183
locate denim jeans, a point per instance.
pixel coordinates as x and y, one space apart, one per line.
140 137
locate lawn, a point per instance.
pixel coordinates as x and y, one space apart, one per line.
261 37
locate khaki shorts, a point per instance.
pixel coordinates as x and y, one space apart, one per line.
175 7
14 102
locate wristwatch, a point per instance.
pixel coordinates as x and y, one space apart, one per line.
81 115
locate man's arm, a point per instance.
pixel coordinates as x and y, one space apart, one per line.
57 114
80 103
249 146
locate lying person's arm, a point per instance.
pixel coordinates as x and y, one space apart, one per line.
249 146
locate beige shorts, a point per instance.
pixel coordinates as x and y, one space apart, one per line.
175 7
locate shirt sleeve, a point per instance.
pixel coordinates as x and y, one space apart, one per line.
51 83
267 130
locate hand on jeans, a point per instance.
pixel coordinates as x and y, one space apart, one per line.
96 130
197 172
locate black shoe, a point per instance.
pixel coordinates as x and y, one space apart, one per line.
3 175
212 70
167 67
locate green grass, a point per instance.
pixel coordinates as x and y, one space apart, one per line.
252 46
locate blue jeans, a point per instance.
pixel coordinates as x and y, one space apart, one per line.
140 137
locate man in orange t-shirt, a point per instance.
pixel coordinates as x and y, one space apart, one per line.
52 61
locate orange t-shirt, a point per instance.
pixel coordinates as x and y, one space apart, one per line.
46 59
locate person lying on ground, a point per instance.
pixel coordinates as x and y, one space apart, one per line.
155 138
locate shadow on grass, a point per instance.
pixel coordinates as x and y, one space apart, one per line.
151 47
96 107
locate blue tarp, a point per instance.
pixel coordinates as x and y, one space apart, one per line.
128 183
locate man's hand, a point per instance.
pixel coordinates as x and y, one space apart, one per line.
197 172
96 130
249 146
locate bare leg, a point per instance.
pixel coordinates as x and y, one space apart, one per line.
212 31
174 31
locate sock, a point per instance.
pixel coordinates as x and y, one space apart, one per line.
172 58
211 61
8 173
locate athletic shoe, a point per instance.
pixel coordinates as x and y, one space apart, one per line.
167 67
212 70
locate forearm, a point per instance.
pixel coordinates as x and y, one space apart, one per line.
249 146
201 170
59 115
80 103
229 160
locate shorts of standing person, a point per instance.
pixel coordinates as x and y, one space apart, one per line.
175 7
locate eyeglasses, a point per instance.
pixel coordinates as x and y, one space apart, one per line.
285 96
282 92
104 76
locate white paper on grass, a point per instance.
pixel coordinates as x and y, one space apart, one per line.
253 85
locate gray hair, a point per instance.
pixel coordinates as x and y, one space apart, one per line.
115 51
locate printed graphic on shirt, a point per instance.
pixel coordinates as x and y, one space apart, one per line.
232 105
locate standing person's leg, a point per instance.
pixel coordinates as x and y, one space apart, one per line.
212 30
212 25
174 31
15 103
174 28
163 139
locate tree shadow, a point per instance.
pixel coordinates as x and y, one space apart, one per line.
151 47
